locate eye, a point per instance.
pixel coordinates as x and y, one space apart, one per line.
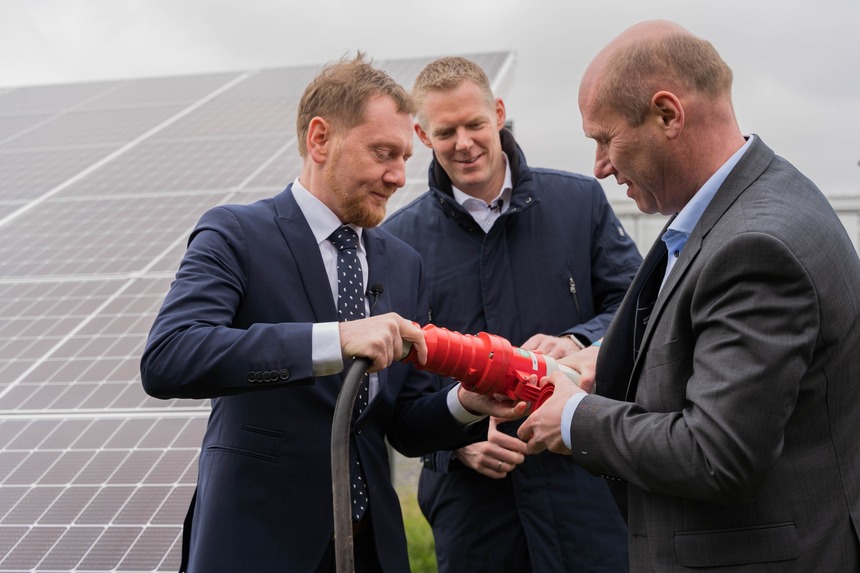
382 154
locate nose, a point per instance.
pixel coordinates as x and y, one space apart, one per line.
602 165
396 173
464 140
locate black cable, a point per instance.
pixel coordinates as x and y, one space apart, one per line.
340 428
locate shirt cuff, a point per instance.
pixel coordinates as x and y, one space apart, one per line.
567 417
457 410
325 349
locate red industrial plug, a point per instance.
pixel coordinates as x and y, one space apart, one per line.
488 364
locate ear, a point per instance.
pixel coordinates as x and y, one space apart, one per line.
669 112
319 139
500 113
422 135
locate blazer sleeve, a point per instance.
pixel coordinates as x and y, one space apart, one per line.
195 349
718 382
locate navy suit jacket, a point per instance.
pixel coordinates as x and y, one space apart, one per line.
236 327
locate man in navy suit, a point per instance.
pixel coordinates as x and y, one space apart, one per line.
727 393
251 322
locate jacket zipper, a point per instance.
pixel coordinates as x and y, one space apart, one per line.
572 284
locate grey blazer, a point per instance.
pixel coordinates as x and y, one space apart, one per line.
736 424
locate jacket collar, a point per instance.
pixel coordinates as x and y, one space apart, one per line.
523 195
749 168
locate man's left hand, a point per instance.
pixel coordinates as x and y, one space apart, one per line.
552 346
497 405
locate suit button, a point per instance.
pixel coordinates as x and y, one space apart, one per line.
284 374
258 376
251 377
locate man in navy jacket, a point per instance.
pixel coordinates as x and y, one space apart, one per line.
536 256
251 323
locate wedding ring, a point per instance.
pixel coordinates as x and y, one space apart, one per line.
500 466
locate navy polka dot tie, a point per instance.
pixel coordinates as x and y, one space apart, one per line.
350 306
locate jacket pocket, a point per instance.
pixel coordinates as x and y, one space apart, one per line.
737 546
216 448
668 353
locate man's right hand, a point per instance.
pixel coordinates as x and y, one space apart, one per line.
380 338
496 457
584 362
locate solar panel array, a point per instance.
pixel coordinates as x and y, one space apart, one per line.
101 184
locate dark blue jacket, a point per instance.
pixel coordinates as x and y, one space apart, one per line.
558 261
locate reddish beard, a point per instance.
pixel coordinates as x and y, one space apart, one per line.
354 204
357 209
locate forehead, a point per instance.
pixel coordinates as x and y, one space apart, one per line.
600 121
383 123
467 99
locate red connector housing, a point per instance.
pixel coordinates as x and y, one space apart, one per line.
486 364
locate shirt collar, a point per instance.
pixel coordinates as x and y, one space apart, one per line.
504 193
689 216
322 221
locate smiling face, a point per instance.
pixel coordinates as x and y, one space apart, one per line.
462 126
367 163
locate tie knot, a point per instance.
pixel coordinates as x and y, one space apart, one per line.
344 238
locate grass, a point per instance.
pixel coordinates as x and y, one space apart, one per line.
419 536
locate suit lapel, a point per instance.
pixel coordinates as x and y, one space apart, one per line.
749 168
615 362
377 269
645 308
305 251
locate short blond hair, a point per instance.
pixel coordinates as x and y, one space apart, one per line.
635 72
446 74
340 92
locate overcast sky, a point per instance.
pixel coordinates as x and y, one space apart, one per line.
796 63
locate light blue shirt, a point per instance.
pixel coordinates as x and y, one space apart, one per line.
675 238
680 229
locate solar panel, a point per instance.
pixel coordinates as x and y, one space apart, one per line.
102 183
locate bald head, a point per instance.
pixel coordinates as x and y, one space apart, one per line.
649 57
657 102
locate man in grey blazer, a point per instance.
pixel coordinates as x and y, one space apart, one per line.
726 393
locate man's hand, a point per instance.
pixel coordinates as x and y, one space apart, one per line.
542 429
496 457
497 405
552 346
584 362
380 338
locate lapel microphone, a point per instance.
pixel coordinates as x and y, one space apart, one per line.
374 291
